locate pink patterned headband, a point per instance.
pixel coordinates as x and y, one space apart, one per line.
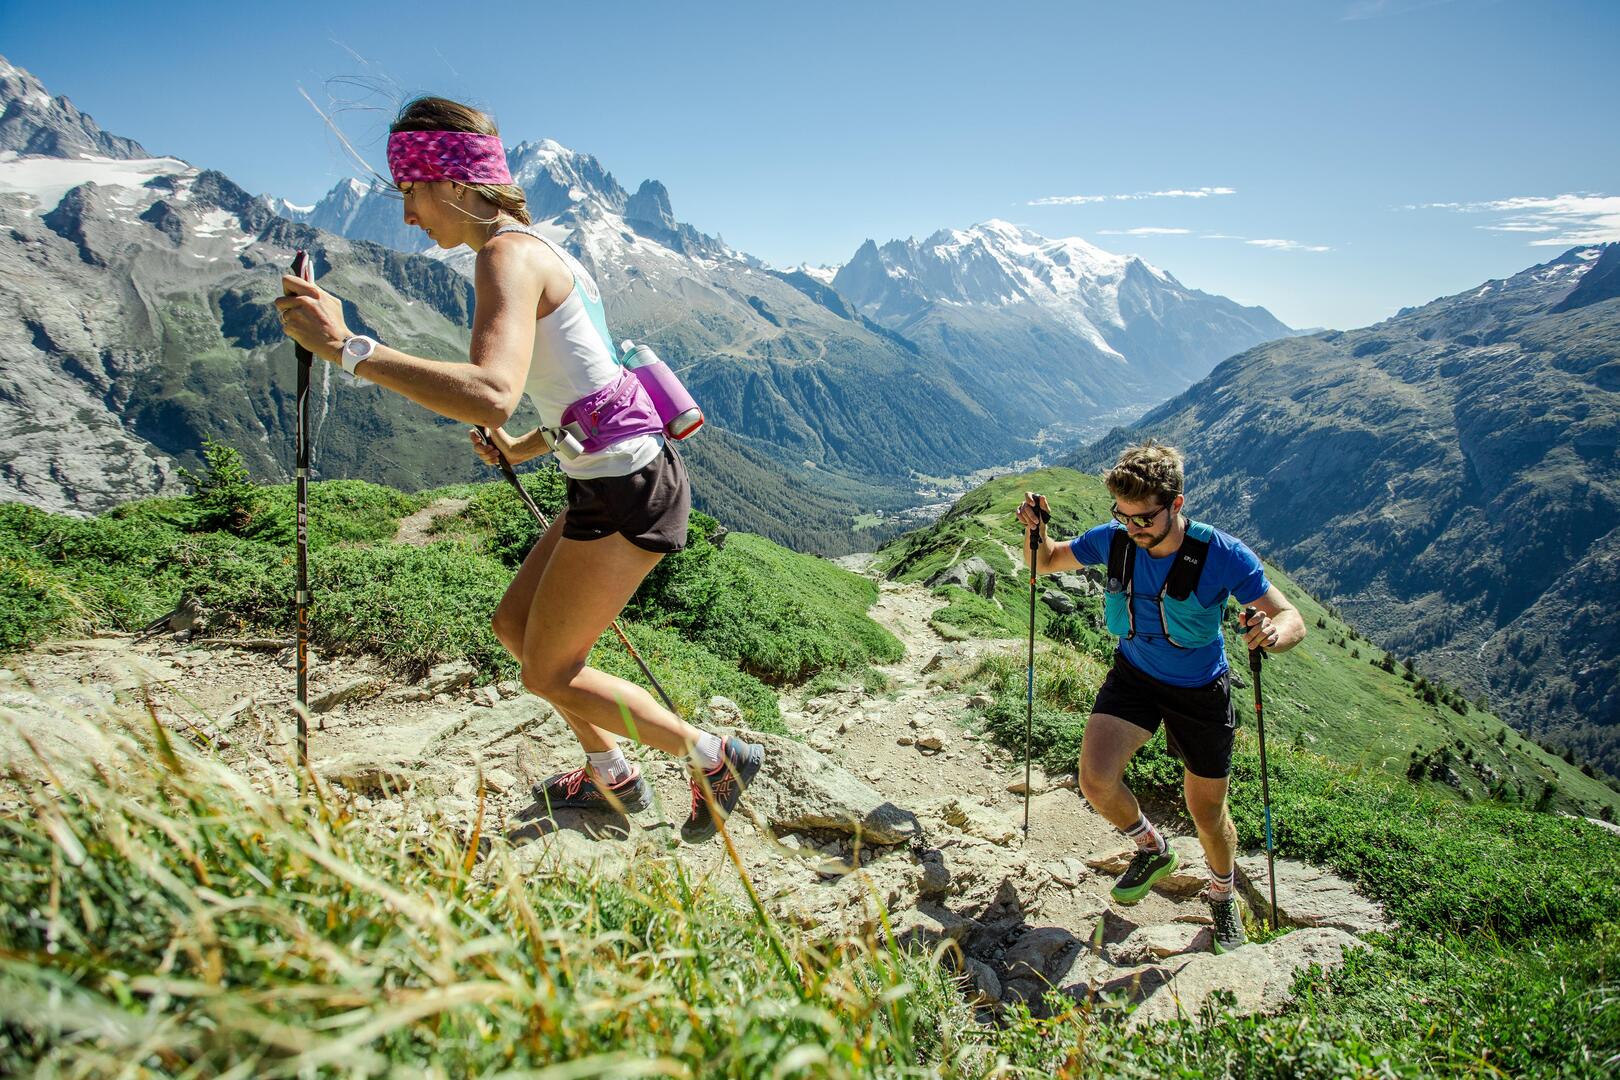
461 156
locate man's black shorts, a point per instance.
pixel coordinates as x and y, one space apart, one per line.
649 507
1198 720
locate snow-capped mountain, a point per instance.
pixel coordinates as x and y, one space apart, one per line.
33 122
134 304
1090 329
135 319
357 210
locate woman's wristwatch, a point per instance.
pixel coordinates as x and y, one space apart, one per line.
356 348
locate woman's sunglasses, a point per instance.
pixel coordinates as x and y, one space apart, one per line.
1141 521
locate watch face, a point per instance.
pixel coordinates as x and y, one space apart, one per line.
359 346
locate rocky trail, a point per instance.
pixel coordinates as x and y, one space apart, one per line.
889 798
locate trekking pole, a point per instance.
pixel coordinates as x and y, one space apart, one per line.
523 493
1256 658
301 268
1029 713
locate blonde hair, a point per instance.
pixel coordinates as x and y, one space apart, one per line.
442 114
1149 471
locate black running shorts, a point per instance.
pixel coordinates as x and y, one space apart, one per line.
1198 720
649 507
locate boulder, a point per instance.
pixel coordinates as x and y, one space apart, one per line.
368 774
1038 783
1259 977
799 788
1075 583
1309 896
443 678
979 983
841 902
1037 960
1149 943
722 711
963 575
1059 601
976 819
349 690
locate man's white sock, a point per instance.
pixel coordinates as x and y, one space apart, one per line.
1146 836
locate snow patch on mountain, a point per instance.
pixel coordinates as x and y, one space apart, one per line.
46 179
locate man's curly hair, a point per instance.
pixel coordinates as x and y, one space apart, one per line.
1149 472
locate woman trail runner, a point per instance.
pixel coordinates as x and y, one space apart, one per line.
539 329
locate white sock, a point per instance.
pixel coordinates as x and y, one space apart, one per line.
708 750
1221 885
611 766
1146 836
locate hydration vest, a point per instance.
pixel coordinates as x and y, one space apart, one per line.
1187 623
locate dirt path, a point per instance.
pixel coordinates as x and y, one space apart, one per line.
415 530
874 744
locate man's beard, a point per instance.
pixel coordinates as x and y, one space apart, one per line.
1169 525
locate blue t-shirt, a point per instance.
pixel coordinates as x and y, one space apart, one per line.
1231 568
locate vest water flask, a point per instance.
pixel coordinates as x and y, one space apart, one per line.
680 414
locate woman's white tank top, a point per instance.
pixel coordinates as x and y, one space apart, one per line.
574 356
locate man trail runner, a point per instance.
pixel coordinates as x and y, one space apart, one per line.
1169 578
539 329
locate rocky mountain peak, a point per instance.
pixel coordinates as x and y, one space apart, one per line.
32 122
1600 282
557 179
650 203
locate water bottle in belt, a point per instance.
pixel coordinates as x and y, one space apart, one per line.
680 414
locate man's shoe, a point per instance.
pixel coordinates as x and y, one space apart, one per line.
1146 868
726 782
577 789
1229 932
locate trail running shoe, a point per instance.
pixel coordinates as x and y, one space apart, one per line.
578 790
1229 932
739 764
1138 878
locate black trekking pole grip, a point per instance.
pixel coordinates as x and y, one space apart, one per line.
1256 658
539 515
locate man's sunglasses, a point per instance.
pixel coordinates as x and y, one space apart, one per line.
1141 521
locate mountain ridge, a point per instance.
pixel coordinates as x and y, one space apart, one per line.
1449 478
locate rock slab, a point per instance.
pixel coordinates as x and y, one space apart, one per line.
1259 977
1309 896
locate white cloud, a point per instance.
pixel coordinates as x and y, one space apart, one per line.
1575 218
1270 244
1146 230
1173 193
1287 245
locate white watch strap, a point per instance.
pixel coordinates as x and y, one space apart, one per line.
350 361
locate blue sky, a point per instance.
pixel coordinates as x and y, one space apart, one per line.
1333 161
